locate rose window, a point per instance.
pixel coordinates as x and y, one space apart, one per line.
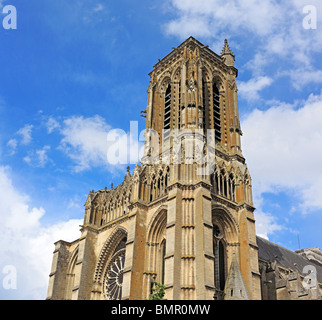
114 276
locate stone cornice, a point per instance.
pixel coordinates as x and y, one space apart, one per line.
191 186
106 226
224 201
229 157
138 204
231 204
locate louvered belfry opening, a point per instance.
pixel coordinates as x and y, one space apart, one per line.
167 112
216 106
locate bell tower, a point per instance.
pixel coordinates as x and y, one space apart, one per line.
184 217
193 129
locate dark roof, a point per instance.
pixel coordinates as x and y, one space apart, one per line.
286 258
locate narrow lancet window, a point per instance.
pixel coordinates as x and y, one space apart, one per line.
216 107
203 105
179 107
219 254
163 251
167 112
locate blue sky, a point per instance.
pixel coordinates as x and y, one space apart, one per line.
74 70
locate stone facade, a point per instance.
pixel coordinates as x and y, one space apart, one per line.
185 216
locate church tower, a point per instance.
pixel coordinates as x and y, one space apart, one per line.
184 218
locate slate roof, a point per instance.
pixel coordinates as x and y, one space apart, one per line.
286 258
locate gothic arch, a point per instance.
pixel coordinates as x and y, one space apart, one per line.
70 274
155 250
107 251
218 79
176 75
222 217
206 73
164 82
209 69
220 254
156 224
225 238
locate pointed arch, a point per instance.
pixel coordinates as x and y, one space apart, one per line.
155 250
107 251
229 225
157 224
225 235
176 75
70 274
164 82
218 78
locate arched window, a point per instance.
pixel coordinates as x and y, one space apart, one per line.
220 256
162 262
71 276
216 112
225 193
216 183
204 88
155 252
179 109
167 112
113 280
92 215
231 185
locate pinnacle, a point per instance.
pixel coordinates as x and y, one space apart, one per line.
226 49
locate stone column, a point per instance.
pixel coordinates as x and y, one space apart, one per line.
85 265
173 247
204 245
57 277
135 254
249 253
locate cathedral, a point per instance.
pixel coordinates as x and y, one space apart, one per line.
184 217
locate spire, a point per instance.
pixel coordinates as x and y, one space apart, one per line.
128 174
227 55
235 288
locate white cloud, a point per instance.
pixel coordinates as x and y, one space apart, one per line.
233 15
266 224
74 203
25 133
27 159
25 243
91 142
52 124
250 89
275 27
12 144
38 158
42 156
98 8
189 25
84 141
282 146
303 76
257 63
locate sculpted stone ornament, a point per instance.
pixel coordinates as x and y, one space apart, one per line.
191 84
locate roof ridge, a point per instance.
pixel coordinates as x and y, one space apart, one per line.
277 245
